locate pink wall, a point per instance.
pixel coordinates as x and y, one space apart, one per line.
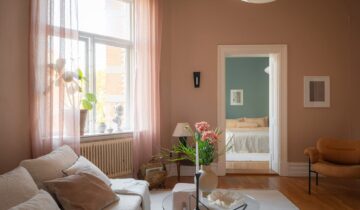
355 69
317 33
14 125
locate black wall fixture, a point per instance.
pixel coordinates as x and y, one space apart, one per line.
196 79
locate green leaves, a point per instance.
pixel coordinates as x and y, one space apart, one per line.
197 136
81 76
86 104
88 101
90 97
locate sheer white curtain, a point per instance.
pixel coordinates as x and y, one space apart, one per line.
54 96
147 80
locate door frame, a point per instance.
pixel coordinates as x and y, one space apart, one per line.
254 51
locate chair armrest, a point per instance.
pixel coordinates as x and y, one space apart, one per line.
312 153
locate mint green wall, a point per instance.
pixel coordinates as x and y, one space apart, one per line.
248 73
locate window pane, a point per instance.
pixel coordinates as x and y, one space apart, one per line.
105 17
111 86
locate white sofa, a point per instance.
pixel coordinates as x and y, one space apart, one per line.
26 181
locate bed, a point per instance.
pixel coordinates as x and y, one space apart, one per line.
248 140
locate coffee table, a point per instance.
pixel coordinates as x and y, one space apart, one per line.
183 197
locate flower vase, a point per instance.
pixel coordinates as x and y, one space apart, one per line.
208 180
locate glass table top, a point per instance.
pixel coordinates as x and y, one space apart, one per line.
188 202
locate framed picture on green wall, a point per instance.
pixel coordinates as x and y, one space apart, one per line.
236 97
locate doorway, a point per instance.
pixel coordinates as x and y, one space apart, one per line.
247 101
253 116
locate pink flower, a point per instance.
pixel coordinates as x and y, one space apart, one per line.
202 126
210 135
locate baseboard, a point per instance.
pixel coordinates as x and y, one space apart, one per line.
297 169
293 169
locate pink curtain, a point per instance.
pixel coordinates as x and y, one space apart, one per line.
146 80
54 97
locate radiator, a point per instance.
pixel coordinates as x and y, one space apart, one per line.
113 156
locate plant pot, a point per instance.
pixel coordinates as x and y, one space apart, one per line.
83 115
101 127
208 180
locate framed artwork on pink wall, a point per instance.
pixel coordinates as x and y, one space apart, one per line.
317 91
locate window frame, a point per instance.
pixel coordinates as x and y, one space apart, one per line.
91 40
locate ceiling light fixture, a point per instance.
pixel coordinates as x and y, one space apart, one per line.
258 1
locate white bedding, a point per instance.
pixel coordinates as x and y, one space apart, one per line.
248 140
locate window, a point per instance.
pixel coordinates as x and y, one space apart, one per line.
105 53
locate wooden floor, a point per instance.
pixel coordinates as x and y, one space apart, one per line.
340 194
248 167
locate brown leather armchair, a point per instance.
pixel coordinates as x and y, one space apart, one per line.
334 158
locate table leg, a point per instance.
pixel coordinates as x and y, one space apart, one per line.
178 170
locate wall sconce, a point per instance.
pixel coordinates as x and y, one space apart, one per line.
197 79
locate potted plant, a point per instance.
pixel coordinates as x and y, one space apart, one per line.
88 100
207 140
74 82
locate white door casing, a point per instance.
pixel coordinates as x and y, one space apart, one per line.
278 103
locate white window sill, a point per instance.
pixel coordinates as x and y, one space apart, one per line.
105 136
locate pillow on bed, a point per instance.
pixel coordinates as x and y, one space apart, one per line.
232 123
261 121
246 125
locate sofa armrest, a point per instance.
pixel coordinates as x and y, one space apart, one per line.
312 153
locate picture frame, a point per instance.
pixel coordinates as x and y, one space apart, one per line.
237 97
317 91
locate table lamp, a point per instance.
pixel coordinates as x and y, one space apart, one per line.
181 132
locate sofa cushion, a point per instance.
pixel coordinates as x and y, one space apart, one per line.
85 166
82 191
41 201
335 170
16 186
127 202
133 187
50 166
339 151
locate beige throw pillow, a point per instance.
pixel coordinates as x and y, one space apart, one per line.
82 191
41 201
261 121
50 166
16 186
85 166
231 123
246 125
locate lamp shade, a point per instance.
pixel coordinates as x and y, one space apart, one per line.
181 131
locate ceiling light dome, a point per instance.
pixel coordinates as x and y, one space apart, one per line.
258 1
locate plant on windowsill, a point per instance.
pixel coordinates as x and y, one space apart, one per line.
73 82
88 100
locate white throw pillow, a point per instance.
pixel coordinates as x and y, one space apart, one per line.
16 186
85 166
41 201
50 166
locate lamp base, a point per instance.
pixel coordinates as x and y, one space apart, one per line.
183 140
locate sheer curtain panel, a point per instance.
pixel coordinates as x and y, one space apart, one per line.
146 80
54 89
